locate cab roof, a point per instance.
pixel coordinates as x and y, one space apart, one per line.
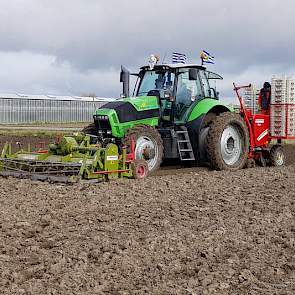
211 75
175 66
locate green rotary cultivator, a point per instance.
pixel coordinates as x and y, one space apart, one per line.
71 159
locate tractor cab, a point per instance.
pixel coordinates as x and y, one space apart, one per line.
178 88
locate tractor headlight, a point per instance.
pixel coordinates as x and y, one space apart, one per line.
102 117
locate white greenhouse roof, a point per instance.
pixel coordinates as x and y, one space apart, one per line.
53 97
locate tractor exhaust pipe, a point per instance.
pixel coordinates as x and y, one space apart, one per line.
124 78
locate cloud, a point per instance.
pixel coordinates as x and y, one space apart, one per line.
41 74
88 40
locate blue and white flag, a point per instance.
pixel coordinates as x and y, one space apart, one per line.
178 58
206 57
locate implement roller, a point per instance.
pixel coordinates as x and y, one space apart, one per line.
72 159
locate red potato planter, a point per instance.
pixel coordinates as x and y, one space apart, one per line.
262 149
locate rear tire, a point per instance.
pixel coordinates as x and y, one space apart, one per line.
277 156
148 145
228 142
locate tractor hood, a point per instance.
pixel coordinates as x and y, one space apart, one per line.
133 109
142 103
122 114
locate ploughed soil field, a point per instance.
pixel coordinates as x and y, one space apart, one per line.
191 231
34 141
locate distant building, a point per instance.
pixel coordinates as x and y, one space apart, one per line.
23 108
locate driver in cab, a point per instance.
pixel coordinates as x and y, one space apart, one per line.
184 94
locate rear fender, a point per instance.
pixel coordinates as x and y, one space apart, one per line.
207 105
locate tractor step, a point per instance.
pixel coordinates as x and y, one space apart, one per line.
181 141
184 146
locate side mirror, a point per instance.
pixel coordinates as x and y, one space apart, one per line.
193 74
124 78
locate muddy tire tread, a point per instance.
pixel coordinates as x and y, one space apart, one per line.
213 139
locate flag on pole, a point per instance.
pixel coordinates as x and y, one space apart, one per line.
206 57
178 58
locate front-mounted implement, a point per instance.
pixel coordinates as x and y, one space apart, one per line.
71 159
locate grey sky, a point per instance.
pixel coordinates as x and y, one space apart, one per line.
77 46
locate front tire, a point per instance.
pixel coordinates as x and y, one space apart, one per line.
148 145
228 142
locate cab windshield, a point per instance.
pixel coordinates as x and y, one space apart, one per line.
155 80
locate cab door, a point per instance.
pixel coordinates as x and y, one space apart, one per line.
188 92
205 84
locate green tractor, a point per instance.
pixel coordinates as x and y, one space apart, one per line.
174 113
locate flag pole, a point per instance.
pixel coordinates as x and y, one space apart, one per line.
163 60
